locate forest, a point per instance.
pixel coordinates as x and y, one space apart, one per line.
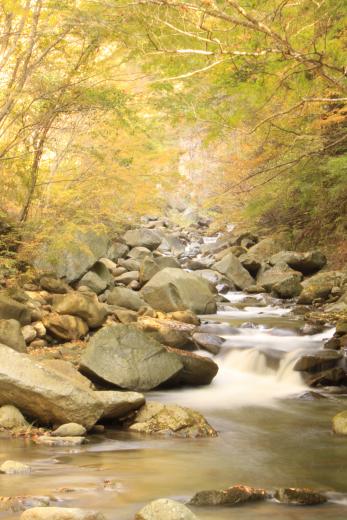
173 259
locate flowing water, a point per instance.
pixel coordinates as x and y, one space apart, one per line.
269 435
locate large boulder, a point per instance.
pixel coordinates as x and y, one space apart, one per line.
231 267
64 326
139 253
168 332
126 357
11 309
170 419
151 266
98 278
44 394
167 509
123 297
142 237
284 280
265 249
319 286
197 370
306 263
119 404
73 257
174 290
84 305
11 335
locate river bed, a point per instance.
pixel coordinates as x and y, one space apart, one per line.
268 435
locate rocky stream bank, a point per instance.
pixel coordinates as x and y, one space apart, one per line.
105 337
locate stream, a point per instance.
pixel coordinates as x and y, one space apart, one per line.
272 433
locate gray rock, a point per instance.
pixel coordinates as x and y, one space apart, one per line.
320 286
123 297
29 334
11 309
265 249
174 289
44 394
231 267
168 332
67 369
167 509
83 305
197 370
130 264
11 335
119 404
94 282
151 266
69 430
139 253
142 237
12 418
288 287
306 263
209 342
116 251
286 280
54 285
126 357
128 277
60 513
74 257
65 327
318 361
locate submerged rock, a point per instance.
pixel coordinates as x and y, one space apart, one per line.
12 467
299 496
46 440
21 503
232 496
165 509
60 513
176 290
170 420
340 423
126 357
